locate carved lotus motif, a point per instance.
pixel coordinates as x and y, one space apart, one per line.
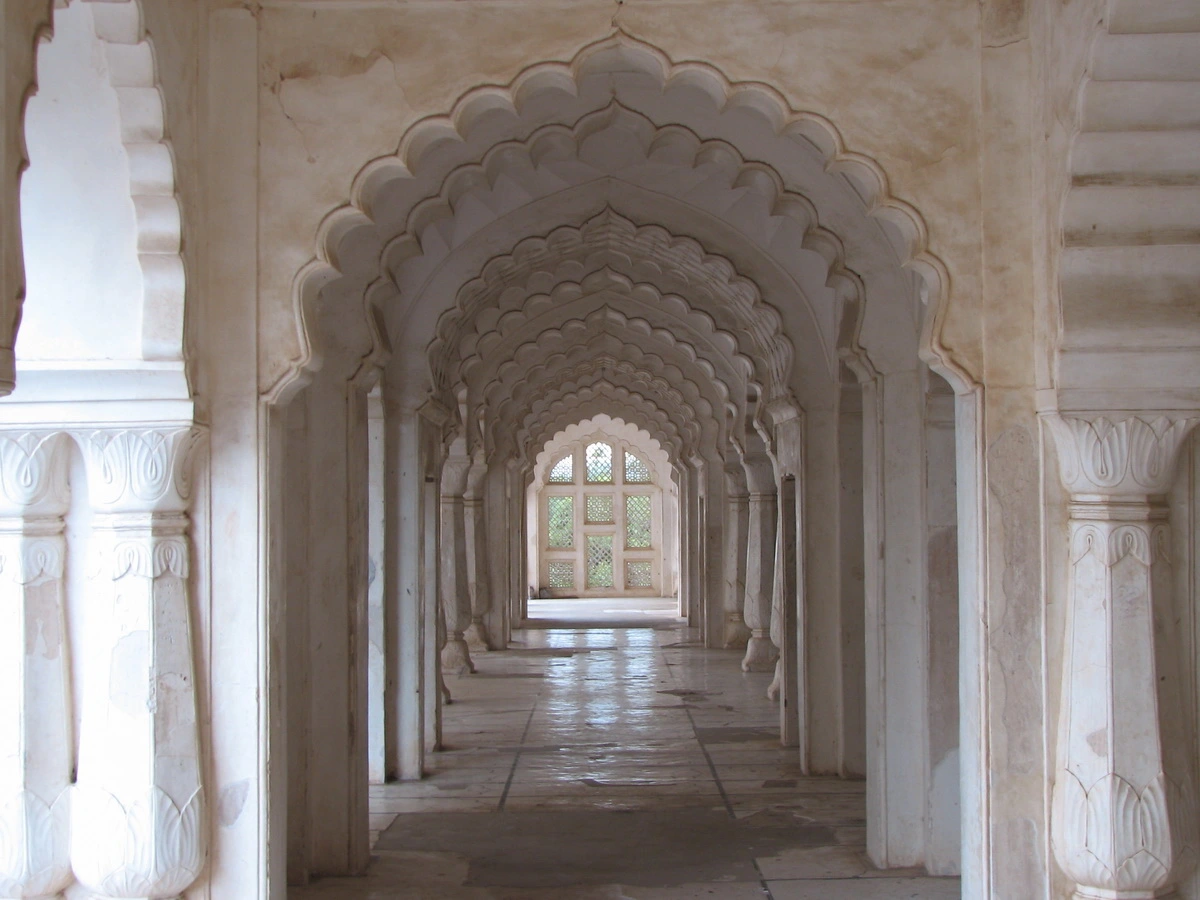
141 469
34 840
32 473
146 847
1124 456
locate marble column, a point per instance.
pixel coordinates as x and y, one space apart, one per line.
762 519
376 633
475 534
737 512
760 582
138 810
405 621
456 598
35 731
1123 816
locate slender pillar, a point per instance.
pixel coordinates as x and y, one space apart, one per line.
1123 809
478 582
713 550
403 597
737 633
760 578
376 639
138 813
35 732
456 598
762 515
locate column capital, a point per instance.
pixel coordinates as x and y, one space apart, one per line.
1119 454
138 470
33 473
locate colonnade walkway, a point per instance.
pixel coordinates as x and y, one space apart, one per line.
618 763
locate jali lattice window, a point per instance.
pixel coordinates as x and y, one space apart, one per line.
560 516
638 574
599 509
599 458
637 521
599 560
636 470
562 574
564 470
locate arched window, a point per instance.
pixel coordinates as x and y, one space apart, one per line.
563 471
599 463
600 535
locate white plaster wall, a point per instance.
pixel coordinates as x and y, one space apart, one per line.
84 289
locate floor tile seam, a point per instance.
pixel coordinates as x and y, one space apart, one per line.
520 746
766 888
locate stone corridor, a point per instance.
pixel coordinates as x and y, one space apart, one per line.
618 762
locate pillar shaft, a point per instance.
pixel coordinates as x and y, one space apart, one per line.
35 739
1122 808
475 526
760 582
737 633
138 810
456 598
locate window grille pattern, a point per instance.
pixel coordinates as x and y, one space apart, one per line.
599 509
560 520
599 457
637 574
599 560
564 470
562 574
636 470
637 521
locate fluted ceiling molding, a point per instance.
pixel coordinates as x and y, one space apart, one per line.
604 291
675 389
605 332
649 265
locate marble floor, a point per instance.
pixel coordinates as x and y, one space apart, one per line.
617 762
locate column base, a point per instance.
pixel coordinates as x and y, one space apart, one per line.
737 633
777 682
476 638
760 654
456 657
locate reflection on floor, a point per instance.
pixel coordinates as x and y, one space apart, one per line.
604 612
618 764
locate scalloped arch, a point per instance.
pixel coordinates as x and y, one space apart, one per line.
633 58
614 403
676 409
639 438
609 250
612 290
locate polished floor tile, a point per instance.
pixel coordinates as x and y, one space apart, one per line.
618 763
